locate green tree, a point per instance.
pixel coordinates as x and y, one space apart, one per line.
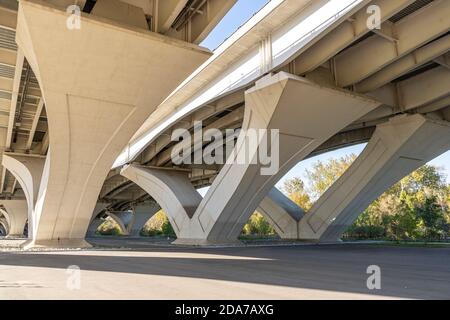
324 174
417 207
258 225
158 225
295 190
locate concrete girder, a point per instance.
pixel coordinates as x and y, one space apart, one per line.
112 82
121 12
282 213
417 91
396 149
345 34
225 122
371 55
344 139
141 214
411 61
202 114
444 60
8 18
8 57
434 106
20 59
34 124
27 170
112 184
16 215
168 11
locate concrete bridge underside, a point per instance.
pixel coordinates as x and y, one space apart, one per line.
332 92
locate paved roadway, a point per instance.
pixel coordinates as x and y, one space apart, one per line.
284 272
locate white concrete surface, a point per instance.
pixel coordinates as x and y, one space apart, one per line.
141 215
27 169
282 213
99 83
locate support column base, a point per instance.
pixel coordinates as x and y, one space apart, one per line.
15 236
57 244
206 242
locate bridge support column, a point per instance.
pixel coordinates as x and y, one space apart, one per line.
93 226
282 213
396 149
96 221
27 169
3 227
123 220
306 115
99 83
172 190
17 216
141 214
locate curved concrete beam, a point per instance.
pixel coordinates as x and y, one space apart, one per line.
123 220
108 81
397 148
172 190
27 170
17 216
141 214
96 221
282 213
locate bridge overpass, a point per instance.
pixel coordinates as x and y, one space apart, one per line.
312 69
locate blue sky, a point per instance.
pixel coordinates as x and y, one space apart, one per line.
242 11
237 16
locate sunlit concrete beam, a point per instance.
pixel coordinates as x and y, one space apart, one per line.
433 51
371 55
417 91
27 170
345 34
168 10
34 124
